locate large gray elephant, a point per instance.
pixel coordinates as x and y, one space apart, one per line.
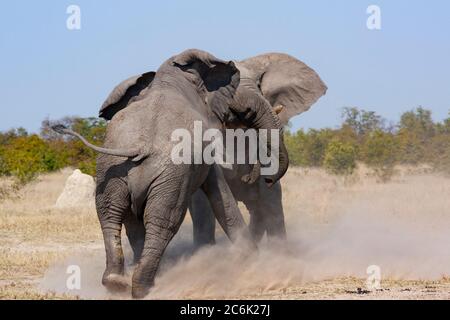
290 87
274 80
139 185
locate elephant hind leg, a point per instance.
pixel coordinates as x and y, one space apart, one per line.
164 212
203 220
112 206
136 235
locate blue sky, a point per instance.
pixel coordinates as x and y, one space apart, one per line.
48 71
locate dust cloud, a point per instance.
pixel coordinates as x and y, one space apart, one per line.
335 229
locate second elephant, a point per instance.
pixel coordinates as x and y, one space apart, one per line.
288 86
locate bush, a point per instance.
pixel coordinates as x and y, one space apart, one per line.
296 146
3 167
439 153
340 158
25 157
380 153
73 151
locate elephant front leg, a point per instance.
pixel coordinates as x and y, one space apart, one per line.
266 213
272 210
226 209
257 225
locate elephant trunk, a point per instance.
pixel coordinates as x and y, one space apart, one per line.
256 112
283 162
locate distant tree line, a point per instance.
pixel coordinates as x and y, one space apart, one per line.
24 155
363 137
367 138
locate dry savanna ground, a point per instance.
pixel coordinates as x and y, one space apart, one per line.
337 227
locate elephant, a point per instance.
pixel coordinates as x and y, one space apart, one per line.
290 87
138 183
277 80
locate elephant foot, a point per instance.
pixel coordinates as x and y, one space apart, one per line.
139 291
115 282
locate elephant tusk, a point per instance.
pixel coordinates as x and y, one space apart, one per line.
278 108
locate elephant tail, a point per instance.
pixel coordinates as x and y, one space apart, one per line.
136 154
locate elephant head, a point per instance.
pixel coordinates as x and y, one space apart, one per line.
227 94
286 83
278 87
216 80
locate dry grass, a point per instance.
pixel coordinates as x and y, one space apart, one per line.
326 218
34 235
29 216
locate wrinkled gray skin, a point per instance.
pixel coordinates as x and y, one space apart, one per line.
139 186
274 80
278 81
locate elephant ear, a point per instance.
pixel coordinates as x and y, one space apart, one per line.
287 83
219 78
126 92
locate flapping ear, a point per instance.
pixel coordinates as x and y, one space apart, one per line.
219 78
125 93
287 83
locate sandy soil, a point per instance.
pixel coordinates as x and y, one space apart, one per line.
337 229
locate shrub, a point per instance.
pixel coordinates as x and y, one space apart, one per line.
72 151
340 158
380 153
316 145
296 146
25 157
439 153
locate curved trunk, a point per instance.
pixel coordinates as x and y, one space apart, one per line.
256 112
283 163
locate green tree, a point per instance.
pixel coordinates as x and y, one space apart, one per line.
316 145
71 150
380 152
340 158
26 156
296 146
419 122
416 130
361 121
